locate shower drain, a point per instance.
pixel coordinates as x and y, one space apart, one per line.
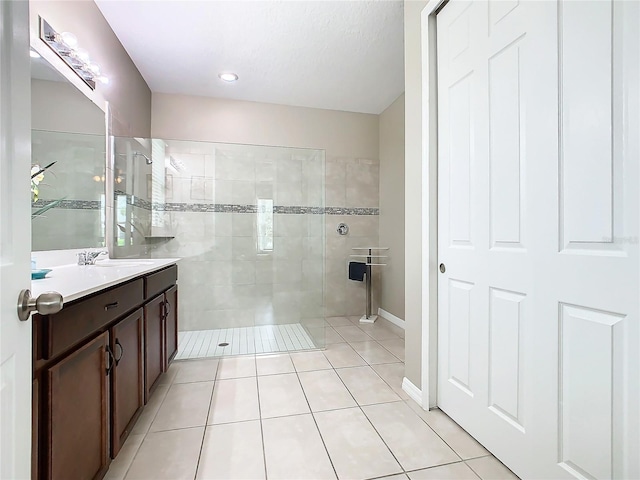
223 344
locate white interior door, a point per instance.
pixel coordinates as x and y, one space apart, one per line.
15 240
538 206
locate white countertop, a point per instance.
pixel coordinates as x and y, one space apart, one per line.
74 281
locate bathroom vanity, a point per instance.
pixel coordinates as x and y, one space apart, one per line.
97 361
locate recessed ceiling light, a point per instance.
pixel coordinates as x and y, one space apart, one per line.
34 54
228 77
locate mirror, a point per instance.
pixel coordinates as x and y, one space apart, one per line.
68 142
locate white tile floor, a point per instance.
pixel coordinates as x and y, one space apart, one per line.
339 413
243 340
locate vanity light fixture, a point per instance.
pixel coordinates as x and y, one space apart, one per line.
65 45
228 77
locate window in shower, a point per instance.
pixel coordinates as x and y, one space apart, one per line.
121 220
265 225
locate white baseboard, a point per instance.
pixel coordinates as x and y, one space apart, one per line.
410 389
397 321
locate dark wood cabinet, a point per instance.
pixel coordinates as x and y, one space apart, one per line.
127 377
35 427
171 324
153 343
95 364
77 414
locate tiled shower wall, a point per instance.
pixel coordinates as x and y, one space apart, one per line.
248 226
353 184
210 208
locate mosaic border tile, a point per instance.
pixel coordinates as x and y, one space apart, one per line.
352 211
211 207
70 204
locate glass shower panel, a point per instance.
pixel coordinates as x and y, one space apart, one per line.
247 223
133 189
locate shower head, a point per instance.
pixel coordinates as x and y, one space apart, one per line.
147 159
138 154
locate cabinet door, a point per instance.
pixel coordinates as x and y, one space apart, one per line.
77 413
35 428
153 342
127 378
171 324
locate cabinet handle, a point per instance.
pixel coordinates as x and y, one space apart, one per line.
109 306
167 307
111 359
118 344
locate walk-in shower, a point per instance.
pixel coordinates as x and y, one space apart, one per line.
247 223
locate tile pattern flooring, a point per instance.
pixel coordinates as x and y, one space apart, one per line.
338 413
243 340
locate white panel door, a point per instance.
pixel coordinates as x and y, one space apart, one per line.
15 241
538 215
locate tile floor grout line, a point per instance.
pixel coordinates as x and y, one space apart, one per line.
414 470
378 342
383 440
206 421
365 416
315 422
388 384
489 454
433 429
473 470
264 450
145 434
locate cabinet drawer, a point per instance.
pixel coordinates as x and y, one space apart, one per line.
81 320
158 282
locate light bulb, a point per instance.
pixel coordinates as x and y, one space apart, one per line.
104 80
228 77
69 39
94 68
83 55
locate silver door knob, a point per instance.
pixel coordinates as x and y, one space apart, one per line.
47 303
442 268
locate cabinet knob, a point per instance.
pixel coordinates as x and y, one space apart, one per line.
47 303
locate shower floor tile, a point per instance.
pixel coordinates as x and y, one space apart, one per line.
243 340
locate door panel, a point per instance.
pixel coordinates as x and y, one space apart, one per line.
506 369
538 334
15 240
586 155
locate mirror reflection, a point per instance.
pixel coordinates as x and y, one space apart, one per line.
68 163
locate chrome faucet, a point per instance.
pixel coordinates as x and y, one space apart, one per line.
89 258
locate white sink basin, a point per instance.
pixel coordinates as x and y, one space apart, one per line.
122 263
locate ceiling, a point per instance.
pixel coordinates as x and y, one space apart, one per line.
338 55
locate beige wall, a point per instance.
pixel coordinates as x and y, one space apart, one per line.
341 134
392 206
413 190
351 145
128 93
